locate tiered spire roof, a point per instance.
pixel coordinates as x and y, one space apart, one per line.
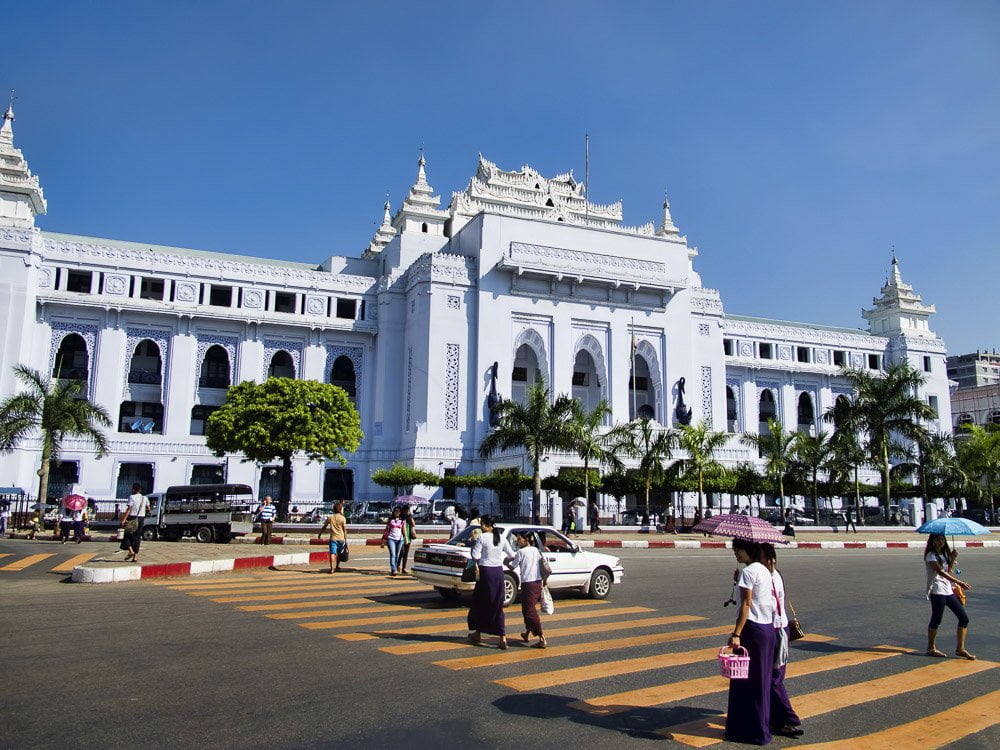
15 177
383 235
898 308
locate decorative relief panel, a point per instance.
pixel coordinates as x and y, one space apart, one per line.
186 292
409 388
736 386
353 353
253 299
857 360
44 278
746 348
454 302
273 346
784 352
451 379
706 395
764 330
822 357
315 305
116 284
572 261
703 329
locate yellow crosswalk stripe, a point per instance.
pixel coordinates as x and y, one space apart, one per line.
600 627
272 587
319 591
6 554
455 613
68 565
372 608
928 732
586 647
540 680
26 562
442 629
709 732
259 575
337 600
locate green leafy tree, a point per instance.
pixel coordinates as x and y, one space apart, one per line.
812 455
538 426
848 453
402 478
469 482
281 418
593 443
701 444
748 483
979 457
885 410
777 448
55 411
573 479
653 446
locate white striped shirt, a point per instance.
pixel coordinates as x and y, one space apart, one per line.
268 512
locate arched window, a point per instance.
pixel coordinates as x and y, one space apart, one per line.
145 367
281 365
807 417
641 399
768 409
215 368
964 419
343 375
423 227
732 417
994 417
72 361
524 373
586 384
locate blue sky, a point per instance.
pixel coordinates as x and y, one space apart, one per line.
798 141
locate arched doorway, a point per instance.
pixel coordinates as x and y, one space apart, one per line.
641 398
72 360
145 367
215 368
806 414
524 373
343 376
281 365
767 410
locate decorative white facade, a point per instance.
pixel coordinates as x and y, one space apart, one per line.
519 269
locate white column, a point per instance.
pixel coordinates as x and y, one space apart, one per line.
180 385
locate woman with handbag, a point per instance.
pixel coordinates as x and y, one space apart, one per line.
486 611
135 515
749 710
393 536
783 719
532 569
941 587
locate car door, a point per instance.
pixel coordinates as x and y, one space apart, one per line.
569 565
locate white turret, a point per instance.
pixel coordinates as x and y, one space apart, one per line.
383 235
899 309
420 212
667 228
21 197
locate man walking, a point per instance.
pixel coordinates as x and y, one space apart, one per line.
267 513
337 524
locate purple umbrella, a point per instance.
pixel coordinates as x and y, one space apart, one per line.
736 526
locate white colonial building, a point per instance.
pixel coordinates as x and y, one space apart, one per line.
519 270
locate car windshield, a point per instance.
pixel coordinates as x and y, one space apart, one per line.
467 536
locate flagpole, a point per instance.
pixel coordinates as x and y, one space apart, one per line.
586 177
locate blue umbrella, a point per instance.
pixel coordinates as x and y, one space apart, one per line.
953 527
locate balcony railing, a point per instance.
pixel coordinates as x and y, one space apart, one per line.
213 381
145 377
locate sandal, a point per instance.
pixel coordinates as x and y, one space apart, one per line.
540 644
503 644
965 655
525 636
936 652
474 639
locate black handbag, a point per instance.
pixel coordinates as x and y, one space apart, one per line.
345 553
795 631
470 572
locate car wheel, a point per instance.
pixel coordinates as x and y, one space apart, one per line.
149 534
204 534
509 589
600 584
449 594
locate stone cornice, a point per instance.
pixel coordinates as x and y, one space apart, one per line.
805 335
208 268
442 268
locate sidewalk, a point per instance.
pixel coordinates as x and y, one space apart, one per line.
185 558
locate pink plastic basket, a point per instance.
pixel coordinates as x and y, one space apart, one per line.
734 666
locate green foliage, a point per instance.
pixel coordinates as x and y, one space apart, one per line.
282 417
619 484
55 411
502 480
701 444
593 443
573 479
777 448
402 478
652 446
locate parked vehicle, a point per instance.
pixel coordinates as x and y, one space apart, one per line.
372 511
439 511
593 573
207 512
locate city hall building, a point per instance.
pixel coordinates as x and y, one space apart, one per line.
519 269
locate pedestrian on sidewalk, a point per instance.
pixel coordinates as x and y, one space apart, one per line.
594 511
4 517
458 521
393 537
409 534
267 513
749 713
65 524
79 518
528 561
849 521
941 585
337 523
486 612
783 721
135 515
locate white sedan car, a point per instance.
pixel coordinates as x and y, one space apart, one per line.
593 573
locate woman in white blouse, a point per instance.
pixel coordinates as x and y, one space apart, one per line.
486 612
528 561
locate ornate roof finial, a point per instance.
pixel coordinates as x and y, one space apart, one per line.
8 118
387 219
667 228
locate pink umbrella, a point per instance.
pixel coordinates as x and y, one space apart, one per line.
75 502
737 526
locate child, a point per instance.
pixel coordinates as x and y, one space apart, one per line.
528 561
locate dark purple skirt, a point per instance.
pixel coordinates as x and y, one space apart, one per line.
486 612
531 592
782 713
750 699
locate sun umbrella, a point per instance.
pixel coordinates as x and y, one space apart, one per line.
409 500
737 526
953 527
74 502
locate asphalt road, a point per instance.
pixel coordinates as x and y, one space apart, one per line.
180 664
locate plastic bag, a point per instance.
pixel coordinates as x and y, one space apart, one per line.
548 606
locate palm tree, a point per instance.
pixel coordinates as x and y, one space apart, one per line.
777 448
886 407
56 410
849 454
652 445
701 443
593 443
979 456
539 425
814 454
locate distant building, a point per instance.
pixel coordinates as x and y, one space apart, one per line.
520 280
978 406
974 370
